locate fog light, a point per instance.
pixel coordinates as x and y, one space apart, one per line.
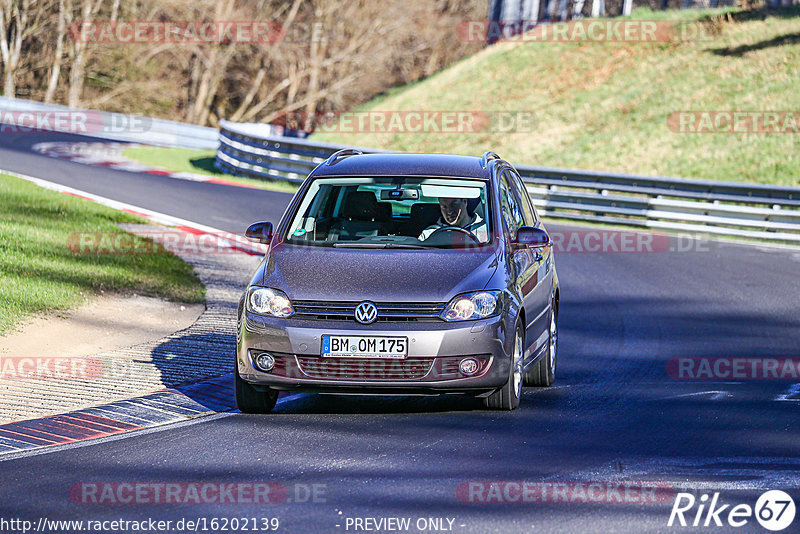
468 366
265 362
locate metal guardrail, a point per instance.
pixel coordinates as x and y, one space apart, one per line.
105 125
752 211
269 157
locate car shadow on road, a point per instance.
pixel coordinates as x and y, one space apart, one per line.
320 403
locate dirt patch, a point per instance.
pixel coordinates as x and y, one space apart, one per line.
104 323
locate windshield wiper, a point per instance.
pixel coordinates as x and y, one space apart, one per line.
376 245
404 245
359 245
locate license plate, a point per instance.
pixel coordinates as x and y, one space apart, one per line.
364 347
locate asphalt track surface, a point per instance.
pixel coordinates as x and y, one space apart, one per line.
614 414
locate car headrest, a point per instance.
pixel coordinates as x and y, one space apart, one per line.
425 213
472 204
384 211
361 206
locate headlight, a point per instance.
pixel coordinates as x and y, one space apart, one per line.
265 301
470 306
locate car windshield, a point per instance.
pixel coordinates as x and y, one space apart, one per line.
385 212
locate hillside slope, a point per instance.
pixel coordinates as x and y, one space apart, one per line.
605 106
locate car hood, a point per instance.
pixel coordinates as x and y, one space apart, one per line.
380 275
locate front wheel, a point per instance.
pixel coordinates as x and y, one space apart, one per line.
507 397
543 372
249 399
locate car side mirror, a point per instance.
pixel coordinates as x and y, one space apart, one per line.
532 237
260 232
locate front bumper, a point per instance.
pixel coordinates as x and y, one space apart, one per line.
434 351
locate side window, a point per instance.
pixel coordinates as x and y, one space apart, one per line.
509 203
528 211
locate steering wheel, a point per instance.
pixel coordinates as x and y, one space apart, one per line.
455 229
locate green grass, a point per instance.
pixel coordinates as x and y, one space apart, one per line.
39 272
604 106
195 161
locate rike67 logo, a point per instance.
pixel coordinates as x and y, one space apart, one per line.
774 510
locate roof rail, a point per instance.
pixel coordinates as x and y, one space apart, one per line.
342 154
488 156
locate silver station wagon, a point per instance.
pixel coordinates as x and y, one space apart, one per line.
401 274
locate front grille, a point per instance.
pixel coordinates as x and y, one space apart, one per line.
365 368
388 312
416 368
281 365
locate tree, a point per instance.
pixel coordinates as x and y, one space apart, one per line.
80 51
58 54
18 20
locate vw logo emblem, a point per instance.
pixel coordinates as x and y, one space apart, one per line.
366 313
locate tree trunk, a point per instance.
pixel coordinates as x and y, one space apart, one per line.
80 57
577 10
215 65
55 72
319 42
14 26
248 99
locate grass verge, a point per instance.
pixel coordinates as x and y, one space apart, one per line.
198 162
39 272
605 105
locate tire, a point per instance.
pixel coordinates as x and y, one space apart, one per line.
507 397
543 372
249 399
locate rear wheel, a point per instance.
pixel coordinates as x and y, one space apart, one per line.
249 399
507 397
543 372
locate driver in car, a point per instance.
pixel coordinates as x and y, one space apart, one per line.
455 214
